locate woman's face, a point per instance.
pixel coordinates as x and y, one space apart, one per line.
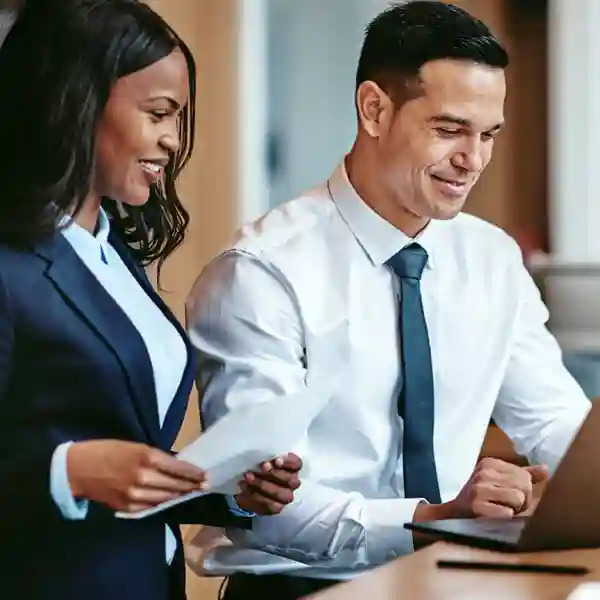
139 130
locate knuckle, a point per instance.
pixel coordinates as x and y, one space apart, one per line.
487 474
142 477
478 489
132 493
153 458
484 474
150 457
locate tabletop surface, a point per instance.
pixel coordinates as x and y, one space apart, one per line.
417 577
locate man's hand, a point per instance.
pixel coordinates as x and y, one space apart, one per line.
495 489
128 476
498 489
270 489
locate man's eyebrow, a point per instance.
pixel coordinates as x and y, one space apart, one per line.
447 118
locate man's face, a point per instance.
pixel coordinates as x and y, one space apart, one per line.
435 147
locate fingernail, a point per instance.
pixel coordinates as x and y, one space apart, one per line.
279 462
250 477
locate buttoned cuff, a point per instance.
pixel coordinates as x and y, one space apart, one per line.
387 538
60 488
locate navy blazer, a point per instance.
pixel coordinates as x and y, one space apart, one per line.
73 367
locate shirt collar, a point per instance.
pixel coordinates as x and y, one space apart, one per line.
91 245
379 239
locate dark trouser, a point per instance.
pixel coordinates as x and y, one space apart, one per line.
242 586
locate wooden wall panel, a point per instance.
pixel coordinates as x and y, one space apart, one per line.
513 191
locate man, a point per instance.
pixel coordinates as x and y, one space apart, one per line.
441 326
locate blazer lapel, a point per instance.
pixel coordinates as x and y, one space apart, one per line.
99 310
176 413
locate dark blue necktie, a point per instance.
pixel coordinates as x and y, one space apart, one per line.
416 400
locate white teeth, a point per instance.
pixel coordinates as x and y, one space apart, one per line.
151 167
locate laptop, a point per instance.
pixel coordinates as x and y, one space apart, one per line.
567 516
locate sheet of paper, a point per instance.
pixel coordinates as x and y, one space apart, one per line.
586 591
254 433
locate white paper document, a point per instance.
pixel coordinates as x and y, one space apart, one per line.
586 591
249 435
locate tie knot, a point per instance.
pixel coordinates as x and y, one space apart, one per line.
409 262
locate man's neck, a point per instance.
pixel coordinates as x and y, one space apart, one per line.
363 177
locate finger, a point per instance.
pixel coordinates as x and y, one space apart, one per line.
491 510
267 467
516 478
512 498
530 509
495 465
150 478
289 462
265 488
132 507
498 465
279 477
148 496
169 465
539 473
259 504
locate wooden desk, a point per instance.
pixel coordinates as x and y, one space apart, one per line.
416 577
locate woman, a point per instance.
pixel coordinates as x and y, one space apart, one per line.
97 102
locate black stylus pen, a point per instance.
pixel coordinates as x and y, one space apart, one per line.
523 567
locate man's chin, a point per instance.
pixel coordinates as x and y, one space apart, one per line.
445 212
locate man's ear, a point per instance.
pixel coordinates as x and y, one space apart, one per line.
375 108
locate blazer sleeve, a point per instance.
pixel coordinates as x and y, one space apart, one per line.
24 469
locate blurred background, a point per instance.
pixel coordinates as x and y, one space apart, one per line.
276 115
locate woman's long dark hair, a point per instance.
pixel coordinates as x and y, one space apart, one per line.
57 67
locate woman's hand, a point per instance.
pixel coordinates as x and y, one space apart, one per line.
270 489
127 476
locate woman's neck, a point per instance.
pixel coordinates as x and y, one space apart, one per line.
87 217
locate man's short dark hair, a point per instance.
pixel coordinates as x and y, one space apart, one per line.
407 35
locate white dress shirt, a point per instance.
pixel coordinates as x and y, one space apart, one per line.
259 314
166 348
